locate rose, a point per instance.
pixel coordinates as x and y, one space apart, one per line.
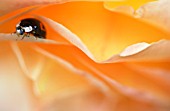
62 74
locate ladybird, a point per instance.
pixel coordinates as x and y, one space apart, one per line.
30 26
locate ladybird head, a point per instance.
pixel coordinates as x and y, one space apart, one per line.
20 30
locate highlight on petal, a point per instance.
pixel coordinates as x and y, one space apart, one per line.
149 53
133 49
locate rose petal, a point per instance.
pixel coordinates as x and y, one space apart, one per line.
156 13
7 6
92 100
133 49
108 34
39 61
129 85
66 79
130 93
132 3
15 88
121 9
151 53
103 44
109 73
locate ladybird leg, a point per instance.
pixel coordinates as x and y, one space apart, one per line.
17 36
23 36
35 37
28 35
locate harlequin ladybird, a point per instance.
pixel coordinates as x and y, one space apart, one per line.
30 26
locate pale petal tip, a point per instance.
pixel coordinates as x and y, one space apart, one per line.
133 49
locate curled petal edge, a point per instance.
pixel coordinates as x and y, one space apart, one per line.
136 52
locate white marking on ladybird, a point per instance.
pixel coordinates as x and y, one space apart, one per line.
27 29
18 31
18 24
35 27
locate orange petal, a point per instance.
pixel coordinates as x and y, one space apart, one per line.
108 35
16 91
108 32
131 3
147 52
57 79
7 6
127 82
37 69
